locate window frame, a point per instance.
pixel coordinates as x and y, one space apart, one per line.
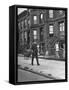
35 35
41 17
60 12
28 22
35 20
51 13
62 26
25 35
51 29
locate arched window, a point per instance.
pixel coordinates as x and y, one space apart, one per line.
41 17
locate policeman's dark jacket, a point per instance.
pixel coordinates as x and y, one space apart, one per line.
34 49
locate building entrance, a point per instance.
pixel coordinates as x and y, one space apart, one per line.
42 48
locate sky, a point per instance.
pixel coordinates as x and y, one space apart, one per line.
20 10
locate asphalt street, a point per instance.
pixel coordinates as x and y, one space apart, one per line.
47 67
24 76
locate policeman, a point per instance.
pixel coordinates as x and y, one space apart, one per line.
34 53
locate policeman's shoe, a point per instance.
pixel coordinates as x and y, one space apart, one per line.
32 64
38 64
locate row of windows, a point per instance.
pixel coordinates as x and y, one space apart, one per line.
35 35
35 38
51 30
51 27
42 17
35 18
61 27
51 14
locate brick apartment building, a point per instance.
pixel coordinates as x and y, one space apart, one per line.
46 27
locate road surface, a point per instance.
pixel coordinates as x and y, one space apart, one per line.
24 76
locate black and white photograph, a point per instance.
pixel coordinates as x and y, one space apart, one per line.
34 39
41 53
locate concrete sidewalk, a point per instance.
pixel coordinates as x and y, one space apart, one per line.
52 57
50 68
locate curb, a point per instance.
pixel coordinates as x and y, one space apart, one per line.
52 59
46 58
38 72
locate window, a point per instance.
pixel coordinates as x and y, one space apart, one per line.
35 19
22 36
51 29
60 11
28 22
57 46
62 26
19 25
41 34
35 34
25 36
62 45
25 22
41 18
29 10
50 13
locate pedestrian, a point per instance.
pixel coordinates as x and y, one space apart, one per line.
34 53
